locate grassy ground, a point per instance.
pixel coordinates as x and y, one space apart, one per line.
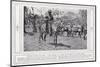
31 43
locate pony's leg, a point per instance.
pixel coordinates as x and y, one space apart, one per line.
84 35
72 33
85 32
45 36
51 31
79 34
55 38
40 37
68 33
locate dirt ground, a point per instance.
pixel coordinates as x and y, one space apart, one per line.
31 43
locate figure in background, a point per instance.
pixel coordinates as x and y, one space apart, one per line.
34 23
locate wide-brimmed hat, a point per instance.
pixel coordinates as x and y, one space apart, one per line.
49 11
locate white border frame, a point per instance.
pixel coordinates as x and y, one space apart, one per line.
43 52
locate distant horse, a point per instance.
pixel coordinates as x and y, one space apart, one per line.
67 29
73 30
76 30
81 30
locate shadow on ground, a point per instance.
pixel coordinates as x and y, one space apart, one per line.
60 44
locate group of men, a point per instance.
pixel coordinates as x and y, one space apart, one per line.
48 28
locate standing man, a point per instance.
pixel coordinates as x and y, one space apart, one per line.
46 27
50 16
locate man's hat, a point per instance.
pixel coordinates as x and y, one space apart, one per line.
49 11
